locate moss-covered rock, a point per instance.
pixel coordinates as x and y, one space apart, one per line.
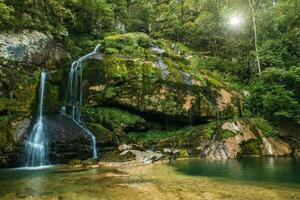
116 156
183 153
251 147
134 75
104 136
115 119
189 137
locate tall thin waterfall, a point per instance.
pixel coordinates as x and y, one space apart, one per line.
74 95
37 143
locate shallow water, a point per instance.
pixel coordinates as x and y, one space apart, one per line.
248 178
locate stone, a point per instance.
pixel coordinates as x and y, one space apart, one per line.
22 128
58 57
275 147
145 157
29 47
124 147
167 150
67 141
231 147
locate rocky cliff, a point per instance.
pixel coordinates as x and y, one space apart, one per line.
137 90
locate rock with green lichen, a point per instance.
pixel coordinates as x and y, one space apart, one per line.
131 76
116 120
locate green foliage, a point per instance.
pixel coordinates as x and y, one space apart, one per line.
183 153
251 147
267 129
225 134
6 15
114 119
200 132
271 97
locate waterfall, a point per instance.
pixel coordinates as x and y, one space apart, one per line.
74 95
268 146
37 143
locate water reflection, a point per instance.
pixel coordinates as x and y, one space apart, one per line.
276 170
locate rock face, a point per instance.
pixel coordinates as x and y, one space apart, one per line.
275 147
232 147
67 140
12 137
156 80
29 47
21 130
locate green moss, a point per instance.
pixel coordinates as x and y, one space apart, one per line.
102 134
114 156
183 153
225 134
52 100
114 119
267 129
111 51
128 44
251 147
199 132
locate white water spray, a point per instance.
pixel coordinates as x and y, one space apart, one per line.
74 95
37 143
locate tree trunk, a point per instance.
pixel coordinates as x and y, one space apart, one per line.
255 36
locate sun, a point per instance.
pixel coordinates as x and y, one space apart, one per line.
235 20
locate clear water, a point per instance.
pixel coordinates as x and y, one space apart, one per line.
255 169
248 178
51 180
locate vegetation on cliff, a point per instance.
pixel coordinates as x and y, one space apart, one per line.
170 73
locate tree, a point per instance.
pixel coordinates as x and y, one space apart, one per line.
253 12
5 14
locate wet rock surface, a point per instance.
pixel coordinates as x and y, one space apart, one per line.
67 141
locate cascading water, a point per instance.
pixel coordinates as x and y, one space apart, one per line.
37 143
74 95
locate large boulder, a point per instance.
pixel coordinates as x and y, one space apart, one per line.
67 140
155 77
275 147
12 137
244 138
28 47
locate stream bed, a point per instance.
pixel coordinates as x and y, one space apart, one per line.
247 178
